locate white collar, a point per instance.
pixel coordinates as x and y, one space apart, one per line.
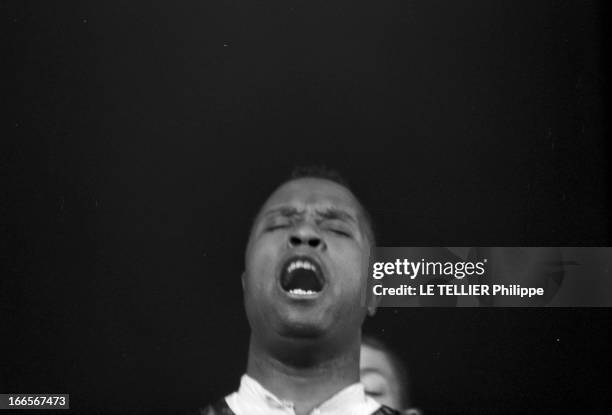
253 399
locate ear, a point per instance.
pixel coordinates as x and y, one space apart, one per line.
372 300
373 303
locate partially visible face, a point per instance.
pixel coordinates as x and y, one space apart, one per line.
379 378
306 262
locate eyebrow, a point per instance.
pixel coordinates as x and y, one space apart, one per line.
334 213
326 213
369 370
287 211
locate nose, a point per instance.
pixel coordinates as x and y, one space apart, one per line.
306 235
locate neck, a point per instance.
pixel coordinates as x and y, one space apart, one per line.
306 385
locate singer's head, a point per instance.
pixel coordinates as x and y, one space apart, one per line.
306 265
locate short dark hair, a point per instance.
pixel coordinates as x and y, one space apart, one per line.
397 364
325 173
318 172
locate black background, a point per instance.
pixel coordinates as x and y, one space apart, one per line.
143 136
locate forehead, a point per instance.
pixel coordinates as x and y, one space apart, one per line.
312 192
376 360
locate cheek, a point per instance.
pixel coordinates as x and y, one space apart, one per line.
262 252
352 263
260 263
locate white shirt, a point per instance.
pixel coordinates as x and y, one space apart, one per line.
253 399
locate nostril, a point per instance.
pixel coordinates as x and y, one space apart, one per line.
294 240
314 242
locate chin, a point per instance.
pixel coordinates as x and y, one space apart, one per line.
302 330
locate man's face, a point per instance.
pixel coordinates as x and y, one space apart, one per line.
306 262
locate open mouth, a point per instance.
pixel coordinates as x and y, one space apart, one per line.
301 277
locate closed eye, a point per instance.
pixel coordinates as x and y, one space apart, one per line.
276 224
272 228
336 227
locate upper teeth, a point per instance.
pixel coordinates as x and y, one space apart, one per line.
301 264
